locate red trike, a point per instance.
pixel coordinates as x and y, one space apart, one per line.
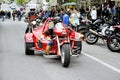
66 42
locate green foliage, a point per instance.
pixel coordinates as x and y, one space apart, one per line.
21 2
73 0
11 0
1 0
47 0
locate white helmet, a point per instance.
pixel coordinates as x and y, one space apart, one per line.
32 8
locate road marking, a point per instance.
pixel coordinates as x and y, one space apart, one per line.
98 60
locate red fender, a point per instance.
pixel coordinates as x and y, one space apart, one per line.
28 37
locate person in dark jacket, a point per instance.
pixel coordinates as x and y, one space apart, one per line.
32 15
105 12
3 15
9 14
118 12
82 11
13 15
19 15
52 12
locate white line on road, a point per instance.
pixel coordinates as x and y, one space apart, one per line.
107 65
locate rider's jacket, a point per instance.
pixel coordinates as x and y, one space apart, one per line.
32 16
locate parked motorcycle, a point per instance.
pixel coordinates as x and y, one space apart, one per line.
98 29
113 41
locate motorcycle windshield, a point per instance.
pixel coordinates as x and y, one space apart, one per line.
60 30
59 26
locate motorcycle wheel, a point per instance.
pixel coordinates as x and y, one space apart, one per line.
65 55
91 38
113 44
27 48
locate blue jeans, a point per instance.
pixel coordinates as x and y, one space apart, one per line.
50 43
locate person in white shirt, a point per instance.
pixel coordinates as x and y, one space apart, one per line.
93 14
75 15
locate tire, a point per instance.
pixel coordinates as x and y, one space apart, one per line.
91 38
65 55
109 44
27 48
79 45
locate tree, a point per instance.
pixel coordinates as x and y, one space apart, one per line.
1 0
21 2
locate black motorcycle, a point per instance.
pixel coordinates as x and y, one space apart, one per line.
97 29
113 41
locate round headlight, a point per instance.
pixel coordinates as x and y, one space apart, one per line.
34 22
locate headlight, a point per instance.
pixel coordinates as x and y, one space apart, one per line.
78 36
34 22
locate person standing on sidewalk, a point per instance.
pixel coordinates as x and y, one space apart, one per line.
74 18
3 15
93 14
13 15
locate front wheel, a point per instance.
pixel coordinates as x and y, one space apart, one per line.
65 55
113 44
91 38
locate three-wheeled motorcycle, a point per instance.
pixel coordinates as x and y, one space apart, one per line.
66 42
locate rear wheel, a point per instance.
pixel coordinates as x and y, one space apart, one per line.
113 44
28 51
91 38
65 55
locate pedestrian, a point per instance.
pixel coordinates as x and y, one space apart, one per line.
19 15
82 11
13 15
99 11
53 12
6 14
118 11
74 18
65 18
105 12
9 14
60 14
112 7
3 15
93 14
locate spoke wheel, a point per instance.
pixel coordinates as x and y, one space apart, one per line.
91 38
113 44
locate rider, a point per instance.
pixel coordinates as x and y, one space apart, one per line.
32 15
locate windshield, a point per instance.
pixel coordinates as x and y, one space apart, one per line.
59 26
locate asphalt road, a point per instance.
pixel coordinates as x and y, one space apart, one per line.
95 63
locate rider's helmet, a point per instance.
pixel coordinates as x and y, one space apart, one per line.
32 9
32 14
